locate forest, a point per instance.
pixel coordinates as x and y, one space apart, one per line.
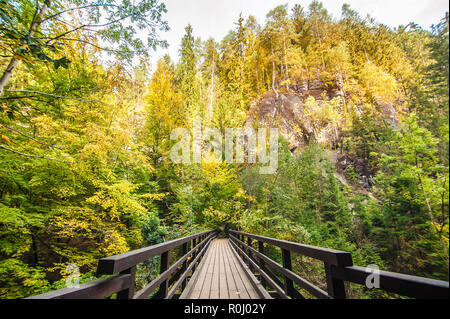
86 116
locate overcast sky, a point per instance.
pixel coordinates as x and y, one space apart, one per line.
214 18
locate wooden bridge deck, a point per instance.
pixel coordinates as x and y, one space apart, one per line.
222 275
221 272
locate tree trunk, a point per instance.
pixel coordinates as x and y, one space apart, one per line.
286 65
14 61
264 77
257 80
212 93
7 74
273 68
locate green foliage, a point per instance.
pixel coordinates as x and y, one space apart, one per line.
414 211
85 171
19 279
304 202
31 36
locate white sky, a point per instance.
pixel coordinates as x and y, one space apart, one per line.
214 18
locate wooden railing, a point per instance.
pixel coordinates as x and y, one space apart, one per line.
122 269
338 267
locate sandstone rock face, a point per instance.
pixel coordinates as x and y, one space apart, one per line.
287 113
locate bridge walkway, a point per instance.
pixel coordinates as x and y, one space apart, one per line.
222 275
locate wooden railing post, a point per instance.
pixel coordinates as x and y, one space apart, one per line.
128 293
261 261
184 252
164 287
338 267
194 254
249 253
335 287
287 263
242 238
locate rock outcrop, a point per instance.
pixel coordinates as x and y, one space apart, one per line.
287 113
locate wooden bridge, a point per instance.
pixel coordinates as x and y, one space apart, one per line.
238 267
222 275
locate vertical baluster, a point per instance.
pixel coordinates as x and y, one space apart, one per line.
164 265
261 262
128 293
241 238
287 263
249 253
184 252
194 254
335 287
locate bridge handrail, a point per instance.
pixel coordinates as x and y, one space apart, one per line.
338 269
118 263
122 271
331 256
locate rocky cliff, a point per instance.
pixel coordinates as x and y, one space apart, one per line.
289 113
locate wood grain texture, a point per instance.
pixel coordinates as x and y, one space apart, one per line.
220 276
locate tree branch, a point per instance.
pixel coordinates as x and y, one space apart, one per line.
31 155
14 61
78 8
32 138
52 95
98 47
89 26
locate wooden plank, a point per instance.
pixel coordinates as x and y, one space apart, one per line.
240 285
201 271
214 291
220 276
254 287
92 290
194 285
198 278
197 294
240 289
206 288
232 290
244 277
173 290
269 281
223 284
